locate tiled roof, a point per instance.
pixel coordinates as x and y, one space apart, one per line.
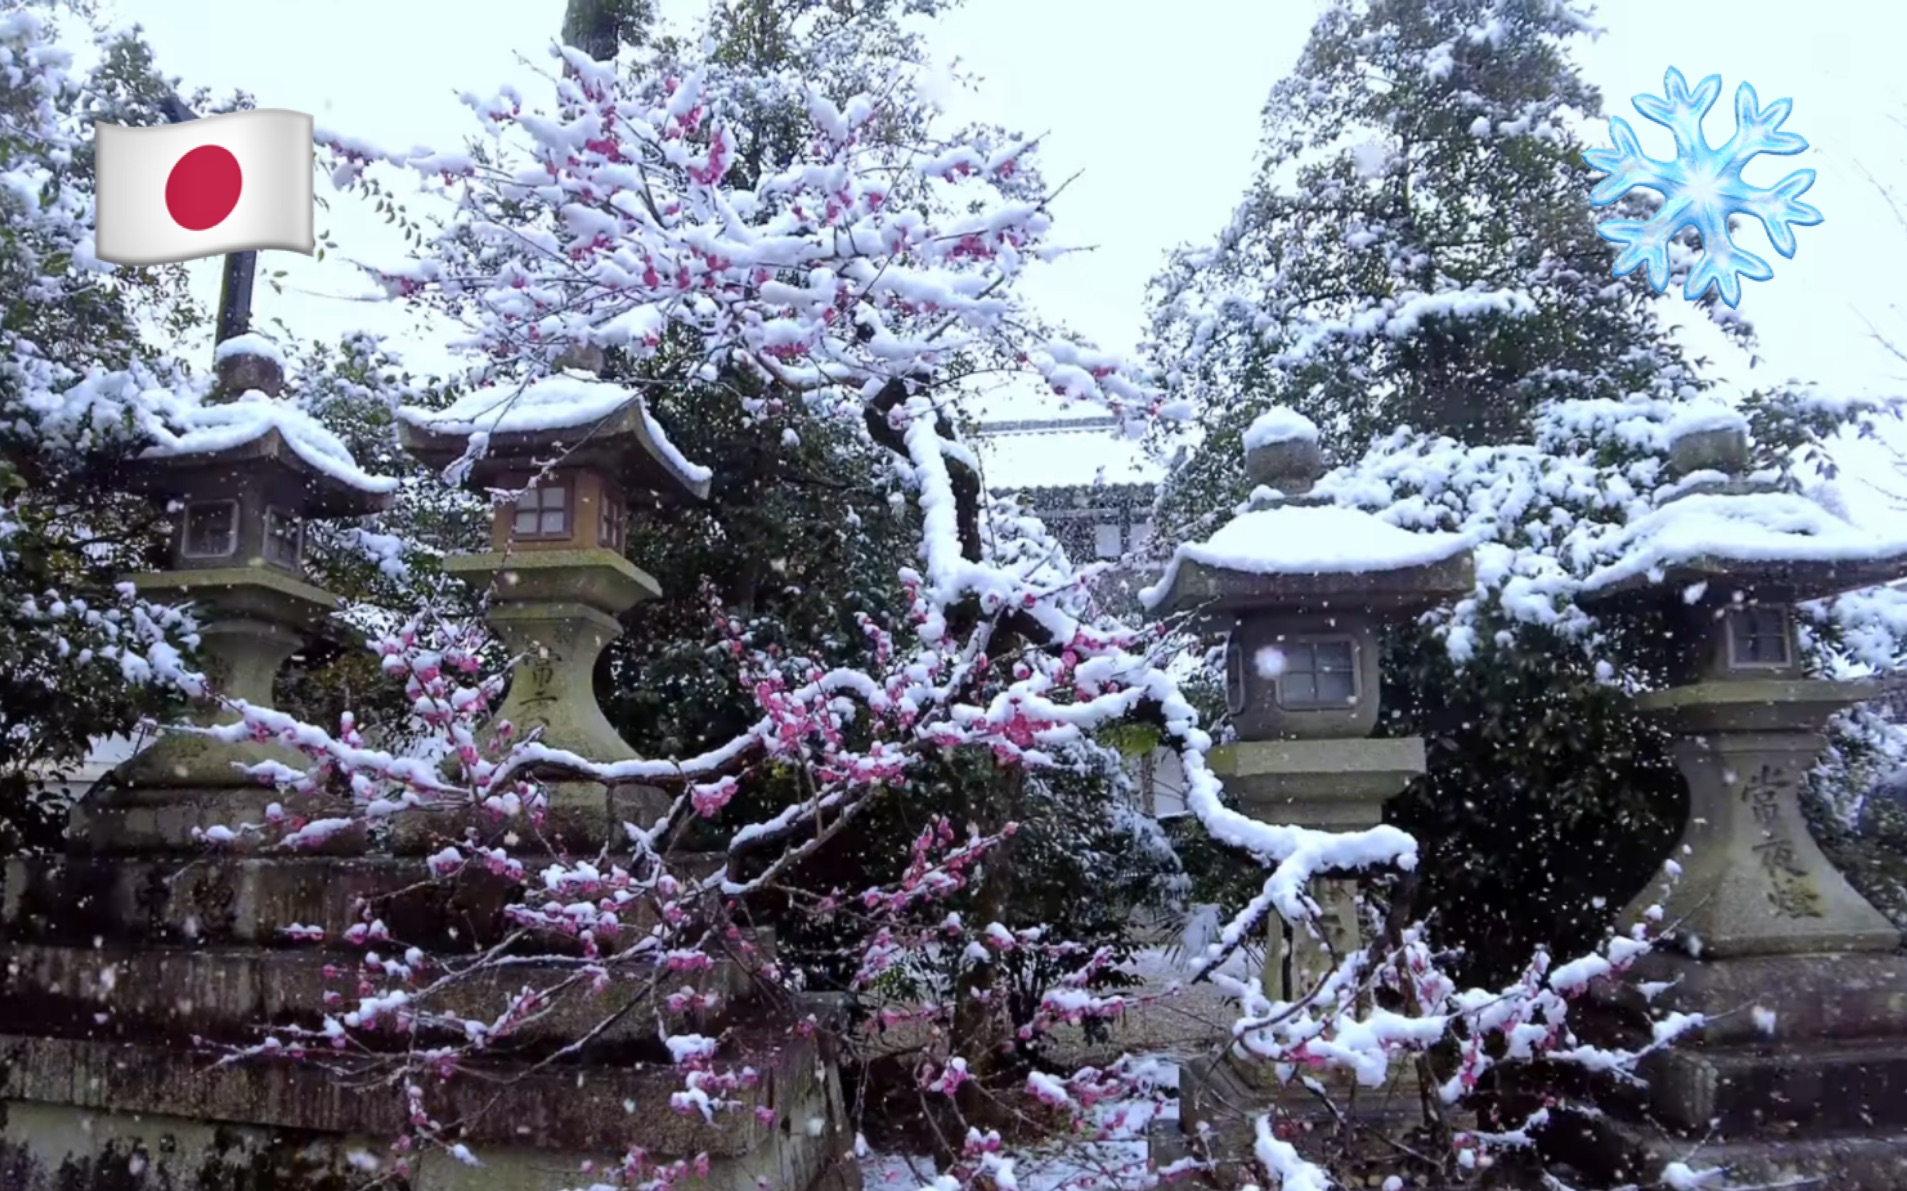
1061 454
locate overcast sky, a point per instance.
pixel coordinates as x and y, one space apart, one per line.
1157 105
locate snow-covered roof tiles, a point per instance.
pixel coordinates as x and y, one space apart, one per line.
560 402
552 404
1095 453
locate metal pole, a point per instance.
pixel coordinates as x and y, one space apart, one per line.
235 287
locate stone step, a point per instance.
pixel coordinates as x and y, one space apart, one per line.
1832 995
230 993
217 899
224 899
50 1147
1220 1101
581 817
1765 1091
598 1111
122 819
1626 1153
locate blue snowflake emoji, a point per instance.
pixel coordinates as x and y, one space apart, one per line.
1702 187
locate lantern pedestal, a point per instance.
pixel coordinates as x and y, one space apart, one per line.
1327 785
1802 978
556 610
1753 880
251 620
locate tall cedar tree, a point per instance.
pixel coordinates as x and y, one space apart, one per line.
1418 249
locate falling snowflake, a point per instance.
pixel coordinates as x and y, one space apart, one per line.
1702 187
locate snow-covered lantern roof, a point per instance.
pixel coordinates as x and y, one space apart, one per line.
1724 560
1307 585
596 438
240 474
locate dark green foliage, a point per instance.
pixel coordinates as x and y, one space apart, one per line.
68 525
796 537
1420 159
1547 804
1078 865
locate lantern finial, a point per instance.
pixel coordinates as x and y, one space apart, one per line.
1282 452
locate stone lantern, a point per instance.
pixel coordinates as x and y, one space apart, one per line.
1306 588
1764 920
572 450
238 480
125 969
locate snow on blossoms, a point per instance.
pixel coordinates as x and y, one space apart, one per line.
853 274
870 257
628 233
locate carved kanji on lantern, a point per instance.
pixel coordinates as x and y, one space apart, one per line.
1722 565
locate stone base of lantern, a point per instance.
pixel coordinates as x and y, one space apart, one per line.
556 610
1221 1100
135 819
185 761
583 815
1331 785
1326 784
1799 1076
579 817
115 971
1623 1153
251 619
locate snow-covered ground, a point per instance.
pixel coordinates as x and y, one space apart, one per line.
1184 1021
1068 1166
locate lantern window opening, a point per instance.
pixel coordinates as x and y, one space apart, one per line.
1318 673
542 512
209 529
1758 638
284 539
612 529
1237 693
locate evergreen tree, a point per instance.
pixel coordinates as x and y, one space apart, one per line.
1418 251
70 330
